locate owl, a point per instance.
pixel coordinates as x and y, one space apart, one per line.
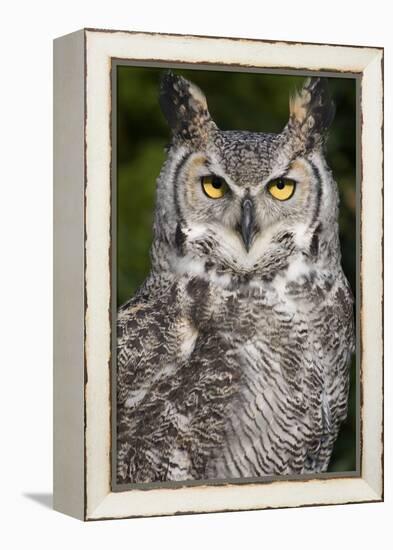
233 356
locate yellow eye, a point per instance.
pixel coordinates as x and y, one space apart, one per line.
282 189
214 187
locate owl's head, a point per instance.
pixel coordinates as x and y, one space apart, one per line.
239 202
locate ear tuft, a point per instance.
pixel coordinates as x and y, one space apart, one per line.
184 106
312 109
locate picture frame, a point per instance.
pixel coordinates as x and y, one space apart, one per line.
85 63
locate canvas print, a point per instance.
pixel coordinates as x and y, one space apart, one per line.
235 276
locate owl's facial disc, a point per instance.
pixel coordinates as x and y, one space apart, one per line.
227 223
234 220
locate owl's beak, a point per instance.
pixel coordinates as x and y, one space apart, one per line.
247 222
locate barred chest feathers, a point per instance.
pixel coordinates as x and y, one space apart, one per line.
278 388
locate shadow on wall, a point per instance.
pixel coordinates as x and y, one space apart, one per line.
45 499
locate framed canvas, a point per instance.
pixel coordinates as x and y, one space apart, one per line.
218 274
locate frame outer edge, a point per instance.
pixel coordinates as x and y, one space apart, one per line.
105 505
372 298
68 294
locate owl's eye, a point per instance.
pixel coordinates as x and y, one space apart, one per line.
282 189
213 186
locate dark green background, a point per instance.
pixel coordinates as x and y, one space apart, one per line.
241 101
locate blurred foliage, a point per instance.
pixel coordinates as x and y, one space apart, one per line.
244 101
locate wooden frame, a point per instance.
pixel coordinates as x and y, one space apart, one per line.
82 241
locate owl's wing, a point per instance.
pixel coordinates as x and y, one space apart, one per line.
142 341
143 361
171 408
333 343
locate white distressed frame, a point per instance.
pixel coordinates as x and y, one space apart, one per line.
84 490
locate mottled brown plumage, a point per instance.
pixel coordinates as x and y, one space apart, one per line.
233 355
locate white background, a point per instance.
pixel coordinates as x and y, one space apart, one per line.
26 270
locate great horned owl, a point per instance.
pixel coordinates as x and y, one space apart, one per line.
233 356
